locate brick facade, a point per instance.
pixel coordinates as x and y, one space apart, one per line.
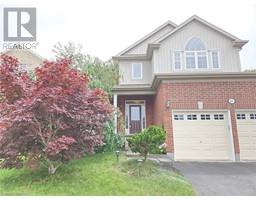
185 95
213 94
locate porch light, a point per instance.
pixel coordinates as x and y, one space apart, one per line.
117 155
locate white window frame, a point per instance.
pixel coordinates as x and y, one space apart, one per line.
196 60
218 56
174 66
141 70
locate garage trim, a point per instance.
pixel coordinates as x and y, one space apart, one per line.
229 125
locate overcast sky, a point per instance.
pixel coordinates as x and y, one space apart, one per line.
106 27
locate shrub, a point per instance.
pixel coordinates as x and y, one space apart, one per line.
148 141
53 118
112 141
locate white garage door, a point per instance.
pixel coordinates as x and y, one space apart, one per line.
202 136
246 127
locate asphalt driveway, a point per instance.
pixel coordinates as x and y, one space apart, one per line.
220 178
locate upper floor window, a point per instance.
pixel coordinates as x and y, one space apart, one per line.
136 70
196 54
195 44
190 60
177 60
215 59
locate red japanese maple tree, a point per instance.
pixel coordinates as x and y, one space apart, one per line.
52 119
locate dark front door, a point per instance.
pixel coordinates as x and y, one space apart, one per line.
135 118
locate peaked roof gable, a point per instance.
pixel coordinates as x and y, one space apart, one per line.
168 23
195 17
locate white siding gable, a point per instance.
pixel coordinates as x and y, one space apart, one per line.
214 41
142 47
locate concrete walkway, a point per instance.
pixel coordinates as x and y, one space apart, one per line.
220 178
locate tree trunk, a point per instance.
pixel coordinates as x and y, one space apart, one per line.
145 157
52 169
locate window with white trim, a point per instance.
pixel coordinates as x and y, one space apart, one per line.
196 55
190 60
240 116
177 60
191 117
205 117
136 70
253 116
202 60
218 117
178 117
215 60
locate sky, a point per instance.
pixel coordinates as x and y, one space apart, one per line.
106 27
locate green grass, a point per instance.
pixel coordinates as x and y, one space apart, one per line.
95 175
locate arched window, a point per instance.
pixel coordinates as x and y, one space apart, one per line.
195 44
196 54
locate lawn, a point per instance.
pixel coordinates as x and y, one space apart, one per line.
96 175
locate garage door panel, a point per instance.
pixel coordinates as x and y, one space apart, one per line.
246 128
200 139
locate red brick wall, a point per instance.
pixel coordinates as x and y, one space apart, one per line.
149 105
162 115
214 95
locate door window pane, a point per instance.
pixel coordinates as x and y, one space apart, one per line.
135 113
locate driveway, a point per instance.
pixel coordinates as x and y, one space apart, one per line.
220 178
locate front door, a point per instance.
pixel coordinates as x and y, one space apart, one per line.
135 118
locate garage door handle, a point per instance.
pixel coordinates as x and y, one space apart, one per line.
201 142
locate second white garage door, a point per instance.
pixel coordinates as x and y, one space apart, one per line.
201 136
246 127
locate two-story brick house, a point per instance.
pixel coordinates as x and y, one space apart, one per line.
188 79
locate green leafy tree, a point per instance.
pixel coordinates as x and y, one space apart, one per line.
102 75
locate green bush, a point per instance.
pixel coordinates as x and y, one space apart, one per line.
150 140
112 141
